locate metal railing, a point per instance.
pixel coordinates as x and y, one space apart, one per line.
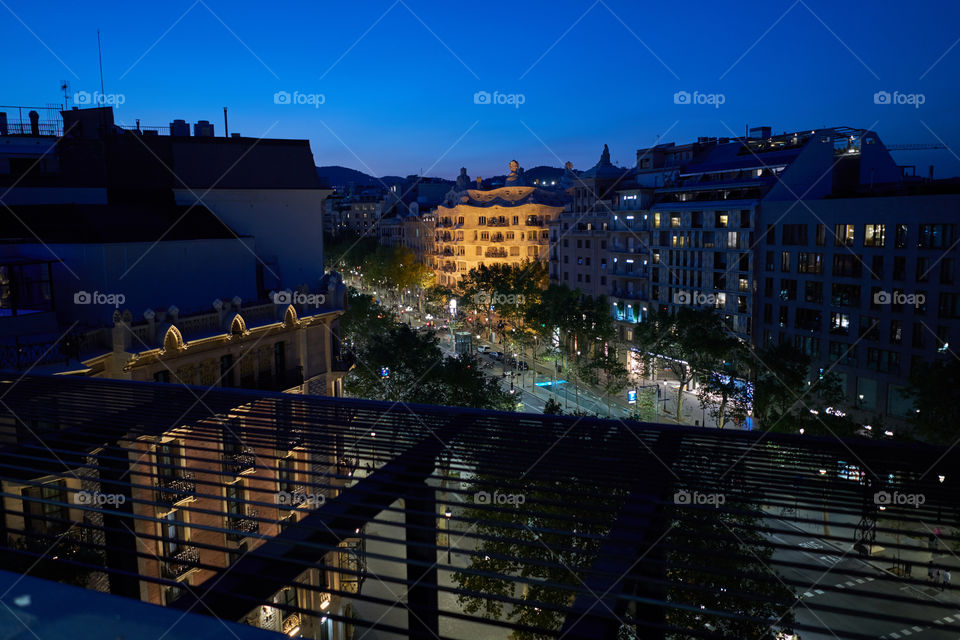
535 524
180 562
175 489
241 526
239 462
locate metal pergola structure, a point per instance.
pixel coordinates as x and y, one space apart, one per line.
475 523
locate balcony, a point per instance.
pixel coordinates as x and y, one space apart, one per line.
534 221
636 249
640 273
495 253
343 363
291 622
448 268
174 490
180 562
497 237
626 294
242 526
239 462
497 223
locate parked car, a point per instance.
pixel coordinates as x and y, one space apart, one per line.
483 348
496 355
522 365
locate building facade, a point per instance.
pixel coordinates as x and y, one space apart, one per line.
507 225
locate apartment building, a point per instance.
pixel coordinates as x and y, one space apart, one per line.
580 256
747 226
866 286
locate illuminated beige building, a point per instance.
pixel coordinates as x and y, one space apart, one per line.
507 225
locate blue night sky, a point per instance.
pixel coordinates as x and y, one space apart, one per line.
399 78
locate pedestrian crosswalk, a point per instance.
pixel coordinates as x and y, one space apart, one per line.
840 585
853 583
906 632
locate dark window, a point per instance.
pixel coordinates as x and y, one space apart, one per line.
48 517
794 234
821 235
869 328
900 242
946 271
809 319
899 268
813 292
846 265
226 371
788 289
845 295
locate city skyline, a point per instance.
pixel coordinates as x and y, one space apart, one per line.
403 88
520 322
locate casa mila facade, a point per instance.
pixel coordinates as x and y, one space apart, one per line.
505 225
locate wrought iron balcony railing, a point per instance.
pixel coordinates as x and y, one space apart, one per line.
240 526
180 562
173 490
239 462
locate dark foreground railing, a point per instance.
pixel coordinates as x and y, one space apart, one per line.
435 522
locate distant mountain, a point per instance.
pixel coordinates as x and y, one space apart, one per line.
338 176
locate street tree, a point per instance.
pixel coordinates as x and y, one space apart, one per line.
725 391
363 320
604 370
936 414
404 365
792 396
691 343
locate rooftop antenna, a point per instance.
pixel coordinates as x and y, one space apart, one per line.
65 87
100 55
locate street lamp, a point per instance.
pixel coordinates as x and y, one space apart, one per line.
447 515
